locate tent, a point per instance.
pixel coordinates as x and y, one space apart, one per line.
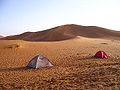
101 54
39 62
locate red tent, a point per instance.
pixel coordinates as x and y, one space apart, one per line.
101 54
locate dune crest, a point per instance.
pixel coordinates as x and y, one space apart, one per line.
66 32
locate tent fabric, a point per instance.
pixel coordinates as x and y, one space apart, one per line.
101 54
39 62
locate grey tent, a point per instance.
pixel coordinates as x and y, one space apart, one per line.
39 62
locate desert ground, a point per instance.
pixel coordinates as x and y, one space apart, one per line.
74 68
70 48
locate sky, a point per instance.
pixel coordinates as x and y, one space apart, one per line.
18 16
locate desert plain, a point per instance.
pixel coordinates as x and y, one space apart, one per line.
74 68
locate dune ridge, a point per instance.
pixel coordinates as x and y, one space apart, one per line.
64 32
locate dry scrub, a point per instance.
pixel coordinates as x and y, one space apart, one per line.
13 46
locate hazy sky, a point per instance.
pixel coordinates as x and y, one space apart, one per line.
18 16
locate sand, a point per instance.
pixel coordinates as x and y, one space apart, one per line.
74 67
1 36
70 48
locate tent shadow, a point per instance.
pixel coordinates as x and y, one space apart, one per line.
14 69
91 58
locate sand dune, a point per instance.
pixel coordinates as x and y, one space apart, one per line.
65 32
1 36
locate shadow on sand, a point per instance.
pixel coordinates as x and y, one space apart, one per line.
94 58
40 40
14 69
